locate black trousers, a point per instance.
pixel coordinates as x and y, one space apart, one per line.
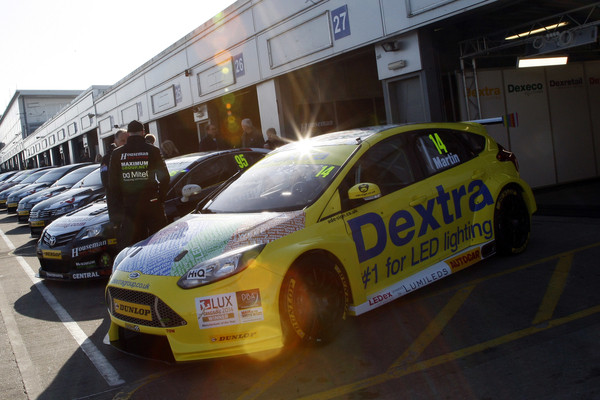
140 221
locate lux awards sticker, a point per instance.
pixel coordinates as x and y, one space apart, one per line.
229 309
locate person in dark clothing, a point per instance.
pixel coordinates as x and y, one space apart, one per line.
120 140
138 182
211 141
273 141
251 137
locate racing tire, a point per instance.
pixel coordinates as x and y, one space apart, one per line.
512 223
313 303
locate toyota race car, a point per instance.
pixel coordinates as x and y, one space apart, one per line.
83 243
66 182
319 229
43 182
87 190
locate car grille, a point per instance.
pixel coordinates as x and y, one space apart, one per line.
61 240
55 265
162 315
42 214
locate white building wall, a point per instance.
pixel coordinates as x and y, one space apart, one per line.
268 38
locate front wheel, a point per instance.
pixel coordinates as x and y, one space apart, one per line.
512 222
313 303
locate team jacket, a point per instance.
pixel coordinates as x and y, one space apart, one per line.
137 174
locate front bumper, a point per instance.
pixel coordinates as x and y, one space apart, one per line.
22 215
215 320
11 206
69 259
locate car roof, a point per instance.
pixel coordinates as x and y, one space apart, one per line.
206 154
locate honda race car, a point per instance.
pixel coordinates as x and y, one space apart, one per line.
82 244
336 225
66 182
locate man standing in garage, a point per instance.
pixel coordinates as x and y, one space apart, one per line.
138 180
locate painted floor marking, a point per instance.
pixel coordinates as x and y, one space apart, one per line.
108 372
31 379
555 289
271 377
400 369
434 328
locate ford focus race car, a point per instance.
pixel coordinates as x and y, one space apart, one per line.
336 225
82 244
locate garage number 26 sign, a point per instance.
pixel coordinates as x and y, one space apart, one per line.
340 22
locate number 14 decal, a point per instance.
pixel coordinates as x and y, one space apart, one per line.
439 144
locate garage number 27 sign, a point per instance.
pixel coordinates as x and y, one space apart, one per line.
340 22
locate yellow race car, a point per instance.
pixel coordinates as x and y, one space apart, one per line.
319 229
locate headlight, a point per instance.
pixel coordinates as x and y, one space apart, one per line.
220 267
91 231
65 209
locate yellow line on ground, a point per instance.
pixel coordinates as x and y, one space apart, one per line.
434 328
397 373
271 377
555 288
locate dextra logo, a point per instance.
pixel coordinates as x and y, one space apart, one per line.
402 226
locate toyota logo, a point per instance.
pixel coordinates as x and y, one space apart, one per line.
51 241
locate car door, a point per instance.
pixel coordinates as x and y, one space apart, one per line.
458 188
385 228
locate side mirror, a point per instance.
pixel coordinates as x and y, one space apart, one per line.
188 191
365 191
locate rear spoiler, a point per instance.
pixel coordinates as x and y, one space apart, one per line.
511 120
488 121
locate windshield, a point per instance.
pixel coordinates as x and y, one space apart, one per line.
284 181
180 165
51 176
33 177
92 179
75 176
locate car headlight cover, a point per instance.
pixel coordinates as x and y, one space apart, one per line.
220 267
91 231
66 208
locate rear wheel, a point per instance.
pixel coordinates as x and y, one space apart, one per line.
512 222
313 302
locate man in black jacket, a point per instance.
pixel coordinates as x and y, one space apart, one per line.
120 140
138 182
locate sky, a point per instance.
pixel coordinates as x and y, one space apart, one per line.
75 44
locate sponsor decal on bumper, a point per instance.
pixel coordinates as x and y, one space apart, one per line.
133 310
22 213
229 309
36 224
52 254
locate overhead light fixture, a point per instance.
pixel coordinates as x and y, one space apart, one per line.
542 61
394 45
536 31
